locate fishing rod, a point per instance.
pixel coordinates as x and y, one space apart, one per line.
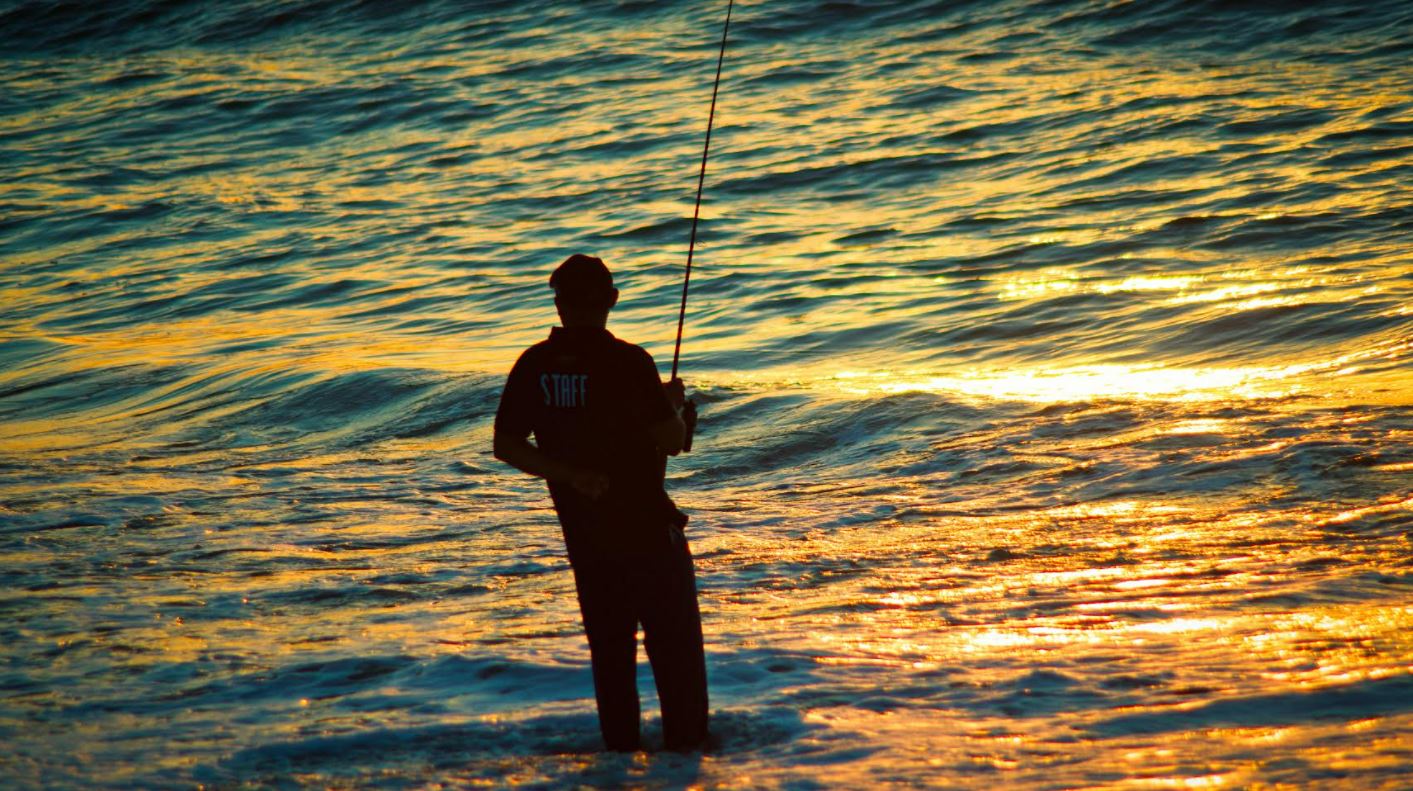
696 212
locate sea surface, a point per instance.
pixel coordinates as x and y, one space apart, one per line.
1053 359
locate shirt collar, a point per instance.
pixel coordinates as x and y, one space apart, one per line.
579 333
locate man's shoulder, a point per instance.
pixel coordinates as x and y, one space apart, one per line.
532 352
632 356
628 349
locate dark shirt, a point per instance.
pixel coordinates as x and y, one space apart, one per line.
589 399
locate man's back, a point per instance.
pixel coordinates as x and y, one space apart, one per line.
589 399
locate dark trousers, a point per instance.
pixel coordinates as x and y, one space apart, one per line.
659 591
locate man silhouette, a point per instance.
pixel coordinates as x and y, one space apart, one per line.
604 424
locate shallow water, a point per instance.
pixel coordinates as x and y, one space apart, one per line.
1054 361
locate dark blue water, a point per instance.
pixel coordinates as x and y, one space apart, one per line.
1053 360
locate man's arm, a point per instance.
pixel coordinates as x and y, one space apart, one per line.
523 456
670 434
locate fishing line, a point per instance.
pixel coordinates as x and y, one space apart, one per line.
701 179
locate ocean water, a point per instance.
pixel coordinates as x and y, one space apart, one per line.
1053 359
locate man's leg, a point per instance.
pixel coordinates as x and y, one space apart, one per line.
672 634
612 630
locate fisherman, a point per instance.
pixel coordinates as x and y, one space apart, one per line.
604 424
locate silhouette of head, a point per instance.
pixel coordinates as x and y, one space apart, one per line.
583 290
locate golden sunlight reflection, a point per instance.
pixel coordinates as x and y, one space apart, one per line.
1067 384
1201 426
1086 383
1240 290
1390 507
1149 283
